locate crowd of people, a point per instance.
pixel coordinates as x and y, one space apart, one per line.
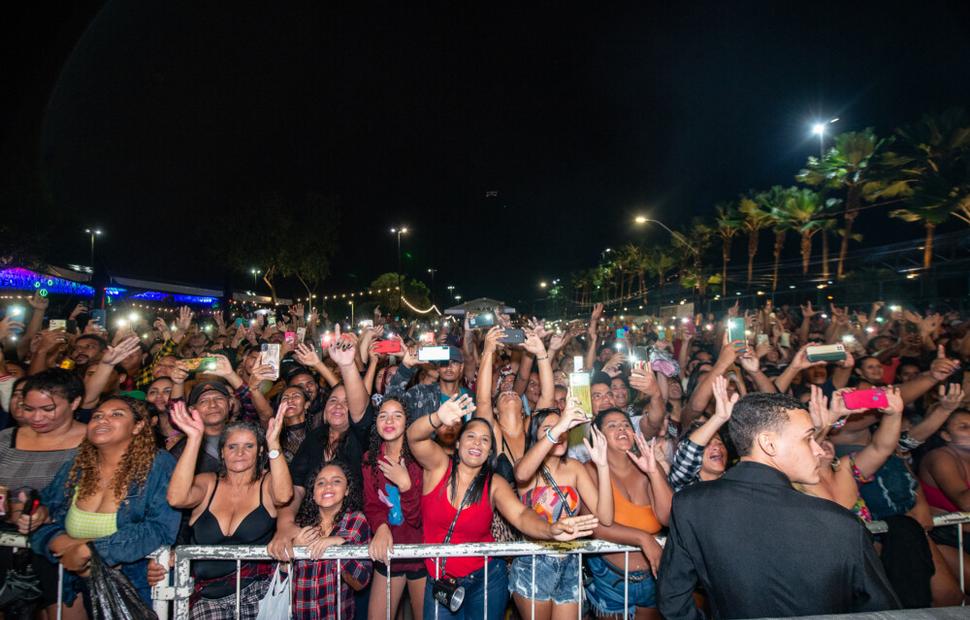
755 452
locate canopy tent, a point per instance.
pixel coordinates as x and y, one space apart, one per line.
482 304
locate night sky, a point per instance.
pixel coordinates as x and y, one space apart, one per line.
153 118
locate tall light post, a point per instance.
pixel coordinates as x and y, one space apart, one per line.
399 230
255 273
352 323
432 271
819 130
642 219
94 232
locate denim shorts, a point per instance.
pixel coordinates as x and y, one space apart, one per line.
557 578
604 589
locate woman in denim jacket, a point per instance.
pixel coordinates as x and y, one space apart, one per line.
112 495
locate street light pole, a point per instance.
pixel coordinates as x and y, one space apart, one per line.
432 271
352 323
400 230
255 273
819 130
640 219
94 232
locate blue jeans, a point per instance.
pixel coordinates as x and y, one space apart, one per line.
474 605
604 590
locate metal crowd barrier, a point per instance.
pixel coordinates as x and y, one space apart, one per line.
179 591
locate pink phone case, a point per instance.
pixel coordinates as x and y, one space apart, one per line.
874 398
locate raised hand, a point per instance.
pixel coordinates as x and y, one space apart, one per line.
533 343
260 373
114 355
749 361
8 327
800 361
78 310
162 328
275 426
647 459
539 327
185 319
950 398
807 310
572 417
223 367
723 405
493 338
596 446
837 408
941 367
455 408
571 528
38 302
818 409
594 319
410 357
342 351
306 355
188 420
396 473
643 380
895 401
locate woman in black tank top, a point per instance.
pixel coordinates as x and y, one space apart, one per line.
240 504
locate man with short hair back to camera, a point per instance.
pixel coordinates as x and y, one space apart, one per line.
757 546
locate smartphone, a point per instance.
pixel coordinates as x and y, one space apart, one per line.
661 333
736 330
200 364
762 339
513 336
434 354
241 322
271 319
785 340
269 355
826 353
300 335
289 338
365 323
478 321
874 398
621 333
639 354
99 316
579 384
388 347
57 324
427 338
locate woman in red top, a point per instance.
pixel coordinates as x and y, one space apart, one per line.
463 485
390 469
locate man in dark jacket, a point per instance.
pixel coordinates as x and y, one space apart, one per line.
759 547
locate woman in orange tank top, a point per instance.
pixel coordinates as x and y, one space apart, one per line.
641 507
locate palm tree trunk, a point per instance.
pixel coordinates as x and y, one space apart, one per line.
725 257
752 250
851 206
825 255
268 279
928 246
806 251
779 244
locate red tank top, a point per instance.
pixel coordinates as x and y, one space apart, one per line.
474 525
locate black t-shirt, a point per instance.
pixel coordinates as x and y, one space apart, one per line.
351 450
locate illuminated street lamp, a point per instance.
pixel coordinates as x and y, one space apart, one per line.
543 284
399 230
255 273
94 232
819 129
642 219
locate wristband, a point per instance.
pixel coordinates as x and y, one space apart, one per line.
431 422
551 438
542 358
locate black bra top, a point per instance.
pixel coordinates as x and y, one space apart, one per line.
256 528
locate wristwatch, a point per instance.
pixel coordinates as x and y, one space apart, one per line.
273 454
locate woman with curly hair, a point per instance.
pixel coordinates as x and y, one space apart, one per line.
329 515
235 506
392 504
110 498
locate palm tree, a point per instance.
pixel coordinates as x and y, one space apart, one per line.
929 165
661 262
777 203
691 247
825 226
754 220
803 213
728 224
846 167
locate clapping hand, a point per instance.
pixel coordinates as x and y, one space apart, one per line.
596 446
114 355
189 420
723 406
455 408
647 459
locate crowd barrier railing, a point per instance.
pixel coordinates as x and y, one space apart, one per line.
177 590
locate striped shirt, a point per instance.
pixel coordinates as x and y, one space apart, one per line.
28 468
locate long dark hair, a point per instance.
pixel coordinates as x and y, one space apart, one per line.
535 424
484 474
309 513
376 441
262 459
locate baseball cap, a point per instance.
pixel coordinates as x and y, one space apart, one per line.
207 386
